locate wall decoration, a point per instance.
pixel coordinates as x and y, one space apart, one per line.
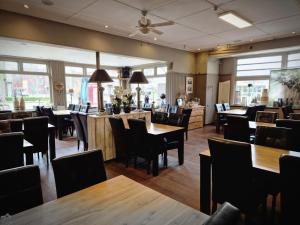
189 85
285 84
59 87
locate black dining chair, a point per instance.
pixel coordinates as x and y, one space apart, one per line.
5 115
122 139
286 110
294 116
5 126
83 120
78 171
185 121
71 107
251 113
290 188
173 109
16 125
159 117
226 214
237 128
11 153
295 126
226 106
222 119
266 117
36 132
79 130
20 189
77 108
233 177
84 108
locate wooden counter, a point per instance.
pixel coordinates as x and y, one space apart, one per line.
100 133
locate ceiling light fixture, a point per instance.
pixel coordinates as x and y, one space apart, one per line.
155 38
47 2
293 32
106 26
199 49
235 20
26 6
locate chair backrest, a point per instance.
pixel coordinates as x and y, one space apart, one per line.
36 132
20 189
11 153
5 115
49 112
83 119
77 108
78 126
39 111
175 119
286 110
173 109
237 128
260 107
295 116
295 126
16 125
227 214
186 117
84 108
71 107
219 108
231 171
159 117
290 188
251 113
276 137
226 106
165 107
266 117
5 126
78 171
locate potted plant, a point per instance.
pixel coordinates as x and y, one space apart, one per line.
116 104
127 100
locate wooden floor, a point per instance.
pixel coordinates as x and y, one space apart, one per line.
178 182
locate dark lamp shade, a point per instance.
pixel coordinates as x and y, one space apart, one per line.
138 77
100 76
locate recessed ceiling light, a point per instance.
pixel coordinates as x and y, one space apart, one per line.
155 38
293 32
26 6
234 20
251 40
106 26
199 49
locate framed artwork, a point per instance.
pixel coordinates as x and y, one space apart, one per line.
189 85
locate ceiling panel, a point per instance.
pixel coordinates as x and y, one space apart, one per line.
146 4
207 41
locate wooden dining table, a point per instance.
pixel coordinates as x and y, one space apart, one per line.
235 112
118 201
264 159
60 115
254 124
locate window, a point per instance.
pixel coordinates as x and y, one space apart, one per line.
34 88
162 70
293 60
109 87
149 72
76 70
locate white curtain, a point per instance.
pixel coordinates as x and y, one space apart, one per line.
175 85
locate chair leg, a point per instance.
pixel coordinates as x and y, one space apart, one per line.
214 207
273 206
186 135
78 144
165 154
148 166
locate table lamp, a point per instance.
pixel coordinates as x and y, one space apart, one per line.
100 76
138 77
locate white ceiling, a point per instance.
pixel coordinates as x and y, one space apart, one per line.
196 22
27 49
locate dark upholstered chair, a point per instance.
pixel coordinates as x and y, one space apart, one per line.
78 171
295 126
222 119
36 132
227 214
77 108
237 128
5 115
165 107
142 142
79 129
83 120
260 107
226 106
173 109
4 126
11 150
276 137
266 117
84 108
251 113
290 188
185 120
16 125
219 108
71 107
39 111
159 117
233 178
20 189
122 139
175 119
295 116
286 110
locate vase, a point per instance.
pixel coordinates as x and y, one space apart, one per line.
16 103
116 110
22 103
127 109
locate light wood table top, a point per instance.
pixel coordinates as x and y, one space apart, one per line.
117 201
61 112
157 128
27 144
263 157
253 124
238 112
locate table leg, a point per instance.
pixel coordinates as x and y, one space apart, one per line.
205 184
218 123
181 148
29 158
155 165
52 144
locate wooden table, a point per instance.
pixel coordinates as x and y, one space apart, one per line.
60 115
264 159
236 112
253 124
117 201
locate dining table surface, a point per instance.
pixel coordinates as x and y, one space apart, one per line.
264 159
118 201
159 129
238 112
254 124
64 112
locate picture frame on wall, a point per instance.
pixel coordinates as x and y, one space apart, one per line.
189 82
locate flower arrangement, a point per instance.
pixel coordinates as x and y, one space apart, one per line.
121 97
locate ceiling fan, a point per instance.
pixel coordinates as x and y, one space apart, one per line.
145 26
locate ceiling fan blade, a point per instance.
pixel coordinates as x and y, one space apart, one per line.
134 33
155 31
162 24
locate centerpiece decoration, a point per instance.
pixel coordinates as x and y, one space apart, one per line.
127 100
121 97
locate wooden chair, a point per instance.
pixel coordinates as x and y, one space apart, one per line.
11 154
266 117
295 126
78 171
290 188
237 128
233 177
20 189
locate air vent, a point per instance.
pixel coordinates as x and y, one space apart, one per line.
47 2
